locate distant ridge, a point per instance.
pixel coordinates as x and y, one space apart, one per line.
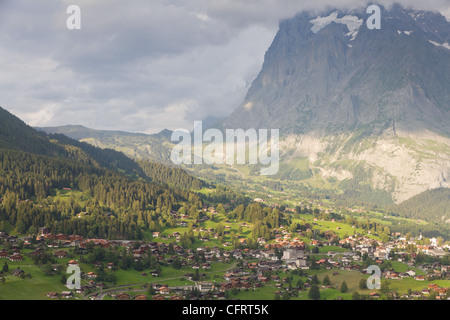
79 132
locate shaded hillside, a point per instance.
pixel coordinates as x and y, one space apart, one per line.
16 135
110 194
433 205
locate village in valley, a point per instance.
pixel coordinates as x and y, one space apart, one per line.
219 258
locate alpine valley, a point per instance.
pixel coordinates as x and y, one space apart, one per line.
363 114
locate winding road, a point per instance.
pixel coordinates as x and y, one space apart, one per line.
126 287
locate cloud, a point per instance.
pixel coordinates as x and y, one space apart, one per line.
268 12
139 65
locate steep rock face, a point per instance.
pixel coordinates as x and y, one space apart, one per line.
347 97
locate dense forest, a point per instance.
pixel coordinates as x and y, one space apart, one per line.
16 135
174 177
117 206
117 197
434 205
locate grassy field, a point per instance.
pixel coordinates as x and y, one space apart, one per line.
339 228
401 267
337 277
34 288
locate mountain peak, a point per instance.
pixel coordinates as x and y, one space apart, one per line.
331 71
367 107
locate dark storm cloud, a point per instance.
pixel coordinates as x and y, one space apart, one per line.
139 65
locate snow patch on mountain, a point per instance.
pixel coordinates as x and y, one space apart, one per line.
445 45
416 15
405 32
353 23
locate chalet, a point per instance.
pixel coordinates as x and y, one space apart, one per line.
3 254
61 236
97 242
394 276
433 286
155 273
123 296
52 295
442 291
445 268
182 224
140 297
17 272
138 254
60 254
66 294
72 263
15 257
158 297
411 273
94 296
76 238
80 290
164 290
189 276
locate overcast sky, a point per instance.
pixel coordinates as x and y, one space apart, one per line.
139 65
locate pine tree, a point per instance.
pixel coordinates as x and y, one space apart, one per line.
63 279
5 267
314 292
356 295
363 284
344 287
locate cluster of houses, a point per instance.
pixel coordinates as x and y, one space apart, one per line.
294 257
15 256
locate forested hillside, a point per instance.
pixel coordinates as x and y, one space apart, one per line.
433 205
114 205
110 195
175 177
107 158
16 135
